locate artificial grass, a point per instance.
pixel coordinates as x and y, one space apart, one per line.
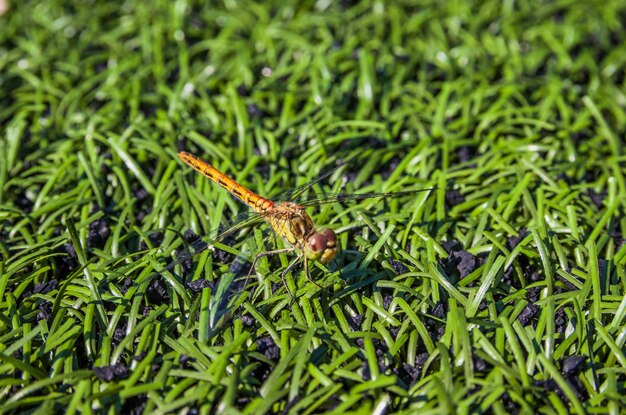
501 291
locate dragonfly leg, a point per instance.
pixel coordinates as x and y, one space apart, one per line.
289 267
263 254
308 275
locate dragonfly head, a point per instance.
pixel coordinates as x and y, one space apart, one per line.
322 246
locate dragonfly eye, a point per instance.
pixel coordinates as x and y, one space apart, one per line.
330 237
318 242
322 246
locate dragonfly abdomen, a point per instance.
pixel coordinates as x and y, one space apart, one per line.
257 203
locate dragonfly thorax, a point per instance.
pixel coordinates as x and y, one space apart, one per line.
291 221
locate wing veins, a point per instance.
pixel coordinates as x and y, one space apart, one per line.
202 243
341 197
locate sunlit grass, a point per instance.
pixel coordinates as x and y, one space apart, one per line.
501 290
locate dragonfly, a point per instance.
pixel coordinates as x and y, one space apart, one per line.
288 219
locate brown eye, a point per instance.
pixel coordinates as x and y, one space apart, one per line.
317 242
330 237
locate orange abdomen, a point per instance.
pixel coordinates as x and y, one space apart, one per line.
257 203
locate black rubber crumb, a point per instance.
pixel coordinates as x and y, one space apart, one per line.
512 241
247 320
267 347
98 233
199 285
454 197
528 313
157 292
45 287
572 365
135 404
356 321
398 267
113 372
459 263
184 359
45 311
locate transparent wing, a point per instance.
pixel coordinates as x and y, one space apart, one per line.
294 194
317 199
240 222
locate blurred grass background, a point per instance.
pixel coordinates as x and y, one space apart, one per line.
501 291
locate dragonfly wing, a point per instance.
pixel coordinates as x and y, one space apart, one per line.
237 224
317 199
294 194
